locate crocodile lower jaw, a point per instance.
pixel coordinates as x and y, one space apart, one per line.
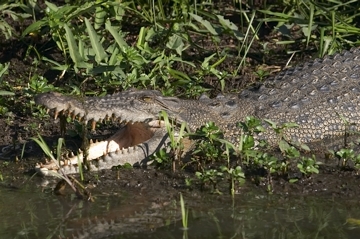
131 144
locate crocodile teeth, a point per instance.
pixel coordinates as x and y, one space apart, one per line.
91 141
56 114
93 125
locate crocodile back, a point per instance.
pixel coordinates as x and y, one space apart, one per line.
321 96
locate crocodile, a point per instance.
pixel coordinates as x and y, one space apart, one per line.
321 96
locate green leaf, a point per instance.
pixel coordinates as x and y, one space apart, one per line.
305 147
226 23
179 75
95 43
51 6
41 142
57 66
281 15
113 57
100 15
205 23
3 69
73 49
219 61
35 27
272 124
176 43
118 38
290 125
108 68
6 93
283 145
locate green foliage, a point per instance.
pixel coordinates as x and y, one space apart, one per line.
345 155
212 154
212 176
308 165
3 107
4 70
184 214
252 157
162 157
176 147
99 48
9 12
39 84
255 158
212 149
209 143
74 184
95 40
325 23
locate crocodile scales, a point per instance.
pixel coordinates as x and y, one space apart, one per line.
321 96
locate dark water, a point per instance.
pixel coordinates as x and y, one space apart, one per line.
29 211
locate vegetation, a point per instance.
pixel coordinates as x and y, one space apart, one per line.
180 47
77 187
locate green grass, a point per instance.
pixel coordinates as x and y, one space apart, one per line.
176 147
165 49
93 41
184 214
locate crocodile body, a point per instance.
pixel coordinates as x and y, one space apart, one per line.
322 96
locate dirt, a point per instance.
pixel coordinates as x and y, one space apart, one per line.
20 124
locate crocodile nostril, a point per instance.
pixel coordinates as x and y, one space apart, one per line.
214 104
231 104
225 115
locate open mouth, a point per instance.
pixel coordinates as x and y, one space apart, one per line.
133 134
124 146
141 136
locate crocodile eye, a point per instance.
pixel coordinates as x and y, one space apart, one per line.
147 99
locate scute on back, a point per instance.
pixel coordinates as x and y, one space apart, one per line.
317 95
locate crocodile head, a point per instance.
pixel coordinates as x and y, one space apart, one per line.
142 135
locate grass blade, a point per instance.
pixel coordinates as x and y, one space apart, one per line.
95 43
73 49
118 38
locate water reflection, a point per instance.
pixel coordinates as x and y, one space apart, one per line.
30 212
